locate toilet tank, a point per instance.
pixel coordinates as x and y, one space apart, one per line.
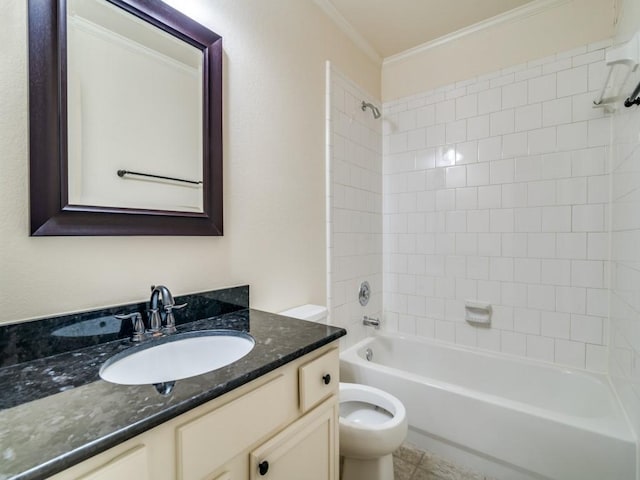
313 313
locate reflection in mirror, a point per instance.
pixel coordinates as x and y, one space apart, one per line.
123 75
125 105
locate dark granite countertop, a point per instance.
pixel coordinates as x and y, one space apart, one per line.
55 411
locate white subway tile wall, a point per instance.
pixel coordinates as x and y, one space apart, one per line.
497 189
354 196
624 353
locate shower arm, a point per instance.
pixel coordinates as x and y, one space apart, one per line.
374 109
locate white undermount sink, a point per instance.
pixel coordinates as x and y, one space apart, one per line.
176 357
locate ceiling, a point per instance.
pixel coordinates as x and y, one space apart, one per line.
391 27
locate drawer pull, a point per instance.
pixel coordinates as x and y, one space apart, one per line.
326 379
263 467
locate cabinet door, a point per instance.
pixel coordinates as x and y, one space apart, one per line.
208 442
131 465
223 476
307 450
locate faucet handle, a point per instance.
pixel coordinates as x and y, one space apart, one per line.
138 325
170 319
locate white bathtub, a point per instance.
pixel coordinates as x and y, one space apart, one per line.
512 418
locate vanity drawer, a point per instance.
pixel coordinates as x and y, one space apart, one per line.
319 379
207 442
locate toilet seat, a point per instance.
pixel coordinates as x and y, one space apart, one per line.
355 392
364 439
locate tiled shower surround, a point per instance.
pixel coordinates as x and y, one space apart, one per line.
354 205
497 189
624 364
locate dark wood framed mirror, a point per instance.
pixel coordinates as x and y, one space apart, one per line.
61 204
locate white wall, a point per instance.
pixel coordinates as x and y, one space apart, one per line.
274 114
566 26
624 359
496 189
354 220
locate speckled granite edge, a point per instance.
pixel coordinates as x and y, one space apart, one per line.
45 436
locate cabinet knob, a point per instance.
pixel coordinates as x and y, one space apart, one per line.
263 467
326 379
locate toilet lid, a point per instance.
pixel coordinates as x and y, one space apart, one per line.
364 413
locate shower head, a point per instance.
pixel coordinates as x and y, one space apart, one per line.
374 109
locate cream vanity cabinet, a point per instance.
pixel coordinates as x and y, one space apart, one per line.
281 426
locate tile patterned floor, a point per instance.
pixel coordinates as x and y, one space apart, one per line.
410 463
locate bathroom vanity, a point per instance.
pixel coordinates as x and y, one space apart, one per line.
272 414
280 426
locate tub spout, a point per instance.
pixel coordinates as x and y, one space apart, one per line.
371 322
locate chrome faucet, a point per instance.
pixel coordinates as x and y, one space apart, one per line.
168 304
371 322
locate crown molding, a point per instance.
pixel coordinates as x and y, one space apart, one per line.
516 14
342 23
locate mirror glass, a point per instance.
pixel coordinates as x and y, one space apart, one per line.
134 112
125 111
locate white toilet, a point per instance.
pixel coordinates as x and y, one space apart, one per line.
373 423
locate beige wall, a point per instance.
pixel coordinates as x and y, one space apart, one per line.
569 25
274 240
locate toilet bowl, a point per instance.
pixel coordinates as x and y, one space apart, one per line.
373 424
